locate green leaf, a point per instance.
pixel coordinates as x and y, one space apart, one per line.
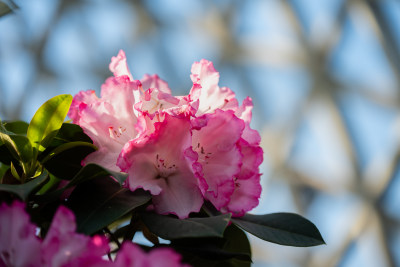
231 250
19 148
237 242
92 171
287 229
5 155
47 121
64 155
66 164
14 172
97 203
66 146
18 145
17 127
70 132
24 190
168 227
3 170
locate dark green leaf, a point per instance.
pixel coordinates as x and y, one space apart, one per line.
66 146
287 229
67 164
3 170
168 227
18 145
97 203
24 190
17 127
48 120
237 242
91 171
70 132
232 250
5 155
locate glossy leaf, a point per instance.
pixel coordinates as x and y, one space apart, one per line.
66 146
48 120
18 145
70 132
231 250
237 242
92 171
168 227
17 127
287 229
24 190
66 164
97 203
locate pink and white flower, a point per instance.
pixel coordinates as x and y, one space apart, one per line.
109 121
165 164
182 149
62 246
19 246
219 155
133 256
205 89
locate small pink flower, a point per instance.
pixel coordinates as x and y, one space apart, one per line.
62 246
19 245
133 256
165 164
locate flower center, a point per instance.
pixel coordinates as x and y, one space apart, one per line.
116 133
204 156
164 168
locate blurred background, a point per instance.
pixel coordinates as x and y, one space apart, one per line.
324 77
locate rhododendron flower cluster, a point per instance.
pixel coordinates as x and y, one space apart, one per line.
62 246
182 149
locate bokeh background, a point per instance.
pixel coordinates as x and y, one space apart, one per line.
324 77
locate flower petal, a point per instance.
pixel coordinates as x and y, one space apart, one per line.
19 245
80 101
245 113
118 65
245 197
159 163
218 153
252 158
62 246
110 121
133 256
210 95
153 81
